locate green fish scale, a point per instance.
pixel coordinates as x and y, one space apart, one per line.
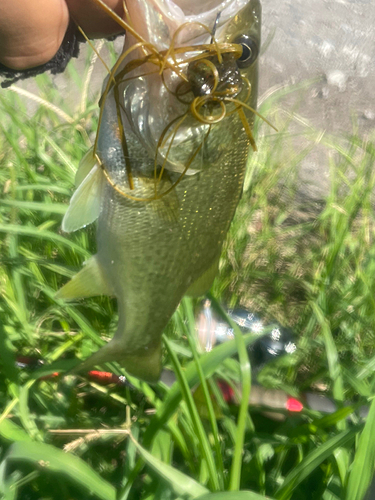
152 252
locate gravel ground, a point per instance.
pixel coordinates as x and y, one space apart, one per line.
334 41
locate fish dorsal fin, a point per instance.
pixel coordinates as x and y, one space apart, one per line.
85 203
90 281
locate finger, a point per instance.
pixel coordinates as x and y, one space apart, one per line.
31 31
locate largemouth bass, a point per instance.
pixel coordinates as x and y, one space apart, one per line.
168 166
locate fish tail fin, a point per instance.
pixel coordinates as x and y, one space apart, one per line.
105 354
144 364
204 282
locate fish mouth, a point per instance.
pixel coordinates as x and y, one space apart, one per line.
168 100
172 112
150 108
158 20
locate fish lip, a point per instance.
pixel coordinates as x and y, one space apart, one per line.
180 11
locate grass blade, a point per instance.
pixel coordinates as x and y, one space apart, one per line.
53 208
209 363
193 413
34 232
364 461
55 460
234 495
188 308
11 431
235 472
182 484
311 462
332 354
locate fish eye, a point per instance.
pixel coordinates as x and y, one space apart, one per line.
249 51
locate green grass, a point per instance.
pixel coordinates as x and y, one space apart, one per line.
309 267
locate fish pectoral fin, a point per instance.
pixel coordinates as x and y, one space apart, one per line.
85 203
86 164
90 281
204 282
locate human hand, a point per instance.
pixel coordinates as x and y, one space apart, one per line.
31 31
